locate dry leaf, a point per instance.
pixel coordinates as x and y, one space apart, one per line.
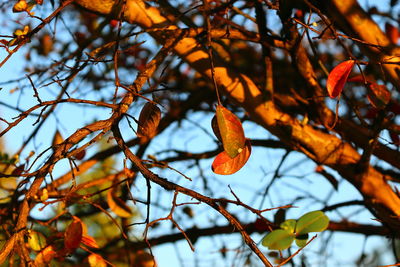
231 131
338 77
225 165
149 119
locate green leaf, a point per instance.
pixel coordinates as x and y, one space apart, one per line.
278 239
314 221
288 225
301 240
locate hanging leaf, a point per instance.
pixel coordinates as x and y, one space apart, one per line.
378 95
301 240
231 131
225 165
149 119
314 221
73 234
95 260
278 239
337 78
392 32
118 206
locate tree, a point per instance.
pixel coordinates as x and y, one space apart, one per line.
317 80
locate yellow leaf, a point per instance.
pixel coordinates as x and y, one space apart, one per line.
118 206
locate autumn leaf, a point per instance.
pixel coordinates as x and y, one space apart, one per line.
378 95
338 77
149 119
45 256
95 260
89 241
118 206
231 131
225 165
392 32
73 234
214 126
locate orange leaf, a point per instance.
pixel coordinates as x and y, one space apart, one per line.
378 95
391 32
225 165
95 260
338 77
73 234
149 119
89 241
45 256
118 206
231 131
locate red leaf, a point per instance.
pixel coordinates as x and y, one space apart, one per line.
73 234
225 165
338 77
378 95
231 131
149 119
391 32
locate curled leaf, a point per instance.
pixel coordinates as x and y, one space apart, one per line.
214 126
118 206
231 131
225 165
338 77
149 119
